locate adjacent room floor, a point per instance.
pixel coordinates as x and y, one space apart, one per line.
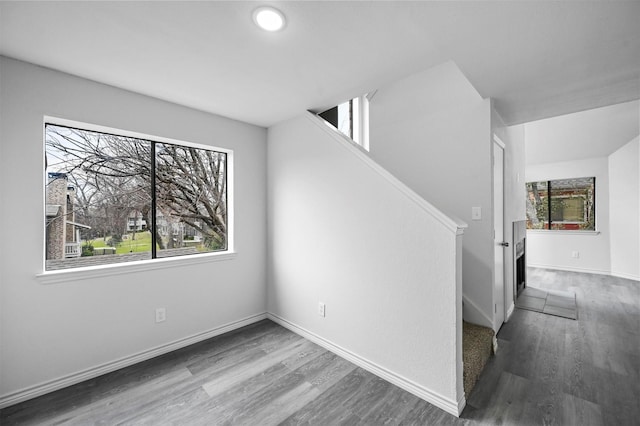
548 370
554 370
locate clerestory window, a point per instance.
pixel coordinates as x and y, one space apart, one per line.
352 119
113 197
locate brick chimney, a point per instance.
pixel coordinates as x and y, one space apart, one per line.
56 211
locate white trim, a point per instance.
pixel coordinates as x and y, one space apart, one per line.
454 224
568 268
584 271
152 263
47 119
497 140
90 373
446 404
625 276
87 272
363 122
512 308
462 402
562 232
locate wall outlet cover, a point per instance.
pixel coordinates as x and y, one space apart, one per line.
161 314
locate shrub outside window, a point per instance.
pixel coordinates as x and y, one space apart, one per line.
112 198
563 204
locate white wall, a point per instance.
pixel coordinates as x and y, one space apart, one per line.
433 131
624 196
344 233
553 249
52 331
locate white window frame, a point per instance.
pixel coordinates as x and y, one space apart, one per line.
81 273
595 231
359 130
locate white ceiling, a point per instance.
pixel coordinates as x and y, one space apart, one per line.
588 134
537 59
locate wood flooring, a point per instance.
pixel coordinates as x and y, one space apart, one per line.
548 370
556 371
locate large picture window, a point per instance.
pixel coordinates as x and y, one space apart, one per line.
113 198
567 204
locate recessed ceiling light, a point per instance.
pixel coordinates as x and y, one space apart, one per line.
268 18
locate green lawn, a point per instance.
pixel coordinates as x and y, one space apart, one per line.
141 243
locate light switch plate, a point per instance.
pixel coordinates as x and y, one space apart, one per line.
476 213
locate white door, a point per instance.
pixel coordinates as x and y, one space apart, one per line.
498 226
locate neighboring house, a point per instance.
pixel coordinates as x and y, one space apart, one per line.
63 232
135 222
175 232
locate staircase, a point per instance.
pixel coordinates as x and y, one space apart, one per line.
477 346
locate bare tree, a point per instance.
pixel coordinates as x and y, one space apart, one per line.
191 186
114 174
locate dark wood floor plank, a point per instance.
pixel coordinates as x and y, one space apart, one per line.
507 404
544 402
251 410
326 371
426 414
221 407
394 405
260 344
170 410
580 412
331 403
221 380
128 401
368 401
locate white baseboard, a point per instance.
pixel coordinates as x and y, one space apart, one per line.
512 308
586 271
72 379
626 276
448 405
569 269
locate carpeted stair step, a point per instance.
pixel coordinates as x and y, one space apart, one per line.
477 346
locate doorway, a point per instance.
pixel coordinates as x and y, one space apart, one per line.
498 233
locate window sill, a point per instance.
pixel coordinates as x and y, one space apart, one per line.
90 272
561 232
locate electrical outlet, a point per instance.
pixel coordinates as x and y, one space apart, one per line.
161 314
321 309
575 254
